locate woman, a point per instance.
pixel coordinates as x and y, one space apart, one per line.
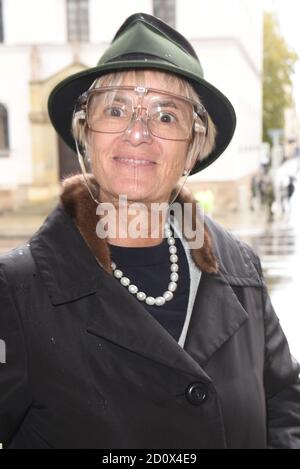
155 341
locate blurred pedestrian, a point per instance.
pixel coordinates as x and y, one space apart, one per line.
283 189
287 189
254 192
269 197
291 186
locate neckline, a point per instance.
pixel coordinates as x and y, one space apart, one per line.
140 256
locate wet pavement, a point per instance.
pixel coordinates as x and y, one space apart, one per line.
277 244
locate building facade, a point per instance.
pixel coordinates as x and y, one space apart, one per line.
43 42
291 133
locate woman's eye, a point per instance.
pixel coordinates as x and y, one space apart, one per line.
114 112
166 118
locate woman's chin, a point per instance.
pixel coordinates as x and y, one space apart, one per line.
136 194
131 190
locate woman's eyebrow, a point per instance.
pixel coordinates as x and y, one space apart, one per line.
166 103
121 99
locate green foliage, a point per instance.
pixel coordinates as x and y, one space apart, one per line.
278 67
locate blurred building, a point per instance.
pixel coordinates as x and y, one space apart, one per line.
42 42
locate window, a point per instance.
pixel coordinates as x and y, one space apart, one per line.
78 20
4 141
1 23
165 10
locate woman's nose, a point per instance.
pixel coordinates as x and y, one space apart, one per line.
137 132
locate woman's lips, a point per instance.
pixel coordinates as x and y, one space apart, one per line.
134 162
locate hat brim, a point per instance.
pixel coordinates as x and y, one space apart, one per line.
63 98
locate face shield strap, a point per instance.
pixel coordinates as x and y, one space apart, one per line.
182 181
81 160
79 116
200 114
198 127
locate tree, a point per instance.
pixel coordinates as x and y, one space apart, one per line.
278 67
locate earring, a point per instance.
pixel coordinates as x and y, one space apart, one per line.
185 172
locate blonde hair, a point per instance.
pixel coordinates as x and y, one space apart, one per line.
199 149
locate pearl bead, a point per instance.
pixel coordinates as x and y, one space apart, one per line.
150 300
174 277
172 249
141 296
168 295
173 258
160 300
172 286
133 289
174 267
118 273
125 281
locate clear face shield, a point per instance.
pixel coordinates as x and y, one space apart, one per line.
118 135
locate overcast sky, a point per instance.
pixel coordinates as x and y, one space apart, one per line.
289 18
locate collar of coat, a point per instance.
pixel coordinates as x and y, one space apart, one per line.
221 254
78 203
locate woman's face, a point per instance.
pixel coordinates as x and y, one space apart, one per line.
112 156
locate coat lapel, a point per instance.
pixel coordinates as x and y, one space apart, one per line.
123 321
216 316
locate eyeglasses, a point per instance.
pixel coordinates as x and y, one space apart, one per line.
115 109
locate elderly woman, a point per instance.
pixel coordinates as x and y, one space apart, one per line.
161 340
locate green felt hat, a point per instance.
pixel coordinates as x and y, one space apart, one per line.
144 41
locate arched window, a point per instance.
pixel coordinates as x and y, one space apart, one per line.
78 20
4 140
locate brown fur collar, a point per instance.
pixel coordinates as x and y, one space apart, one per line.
78 203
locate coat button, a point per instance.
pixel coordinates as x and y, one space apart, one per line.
196 393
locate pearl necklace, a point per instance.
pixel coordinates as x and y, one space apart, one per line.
169 293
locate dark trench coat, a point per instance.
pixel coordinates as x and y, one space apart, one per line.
88 367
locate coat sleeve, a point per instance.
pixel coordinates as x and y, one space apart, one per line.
281 380
14 388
